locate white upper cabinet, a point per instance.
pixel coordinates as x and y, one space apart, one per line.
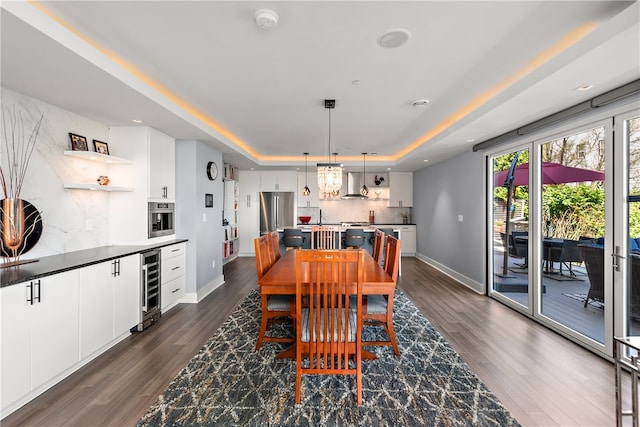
313 199
278 181
400 189
248 210
162 166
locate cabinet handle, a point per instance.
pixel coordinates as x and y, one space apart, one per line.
175 250
175 290
175 268
248 200
118 266
30 299
113 268
39 292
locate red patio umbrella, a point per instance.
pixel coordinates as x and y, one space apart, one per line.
552 173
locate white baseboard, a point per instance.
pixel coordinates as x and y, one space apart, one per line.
464 280
196 297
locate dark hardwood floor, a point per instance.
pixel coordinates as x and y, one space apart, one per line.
542 378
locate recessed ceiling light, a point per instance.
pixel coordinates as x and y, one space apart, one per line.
266 19
388 169
357 82
584 87
136 121
394 38
420 103
470 140
425 160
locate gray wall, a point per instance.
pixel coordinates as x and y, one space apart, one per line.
205 237
441 192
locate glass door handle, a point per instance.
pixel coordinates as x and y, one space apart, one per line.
616 258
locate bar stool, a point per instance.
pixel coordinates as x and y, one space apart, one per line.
292 238
353 238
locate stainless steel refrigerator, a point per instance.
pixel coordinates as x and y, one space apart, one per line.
277 210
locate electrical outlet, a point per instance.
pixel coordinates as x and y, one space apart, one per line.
460 218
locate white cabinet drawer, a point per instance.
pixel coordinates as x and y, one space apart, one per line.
172 268
171 292
173 251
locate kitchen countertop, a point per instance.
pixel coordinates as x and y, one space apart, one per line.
53 264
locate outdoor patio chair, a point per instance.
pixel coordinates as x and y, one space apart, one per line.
593 258
569 253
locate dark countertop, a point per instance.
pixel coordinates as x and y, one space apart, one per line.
53 264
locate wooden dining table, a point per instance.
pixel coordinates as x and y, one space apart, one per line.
281 280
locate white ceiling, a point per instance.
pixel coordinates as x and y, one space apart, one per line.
204 70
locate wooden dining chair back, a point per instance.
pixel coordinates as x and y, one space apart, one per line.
379 308
392 257
378 245
329 332
274 246
274 307
325 237
263 257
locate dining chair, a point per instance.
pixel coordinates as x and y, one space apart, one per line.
329 332
325 237
378 245
353 238
379 308
274 307
274 246
293 238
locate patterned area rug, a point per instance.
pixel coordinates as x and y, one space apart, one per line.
228 383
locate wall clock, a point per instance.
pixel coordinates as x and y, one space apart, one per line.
212 171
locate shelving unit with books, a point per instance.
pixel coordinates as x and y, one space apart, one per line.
231 244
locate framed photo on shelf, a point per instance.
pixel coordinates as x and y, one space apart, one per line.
78 142
101 147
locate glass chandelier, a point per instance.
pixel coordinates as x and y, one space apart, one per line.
329 174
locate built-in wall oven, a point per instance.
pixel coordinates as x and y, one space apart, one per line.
150 289
161 219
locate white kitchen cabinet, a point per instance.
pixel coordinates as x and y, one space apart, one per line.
109 302
40 330
151 175
278 181
408 239
248 211
161 166
400 189
172 275
313 199
126 295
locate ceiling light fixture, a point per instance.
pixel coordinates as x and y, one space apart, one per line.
420 103
266 19
330 174
136 121
364 190
306 190
584 87
394 38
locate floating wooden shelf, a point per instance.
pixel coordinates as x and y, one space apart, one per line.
96 187
98 157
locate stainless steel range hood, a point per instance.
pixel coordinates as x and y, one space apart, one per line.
354 183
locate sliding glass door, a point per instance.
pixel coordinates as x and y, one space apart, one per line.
564 227
509 237
625 259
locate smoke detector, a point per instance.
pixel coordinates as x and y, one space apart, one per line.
266 19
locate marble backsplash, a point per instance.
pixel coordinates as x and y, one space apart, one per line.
72 219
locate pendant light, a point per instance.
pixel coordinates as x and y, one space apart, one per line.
364 190
329 174
305 191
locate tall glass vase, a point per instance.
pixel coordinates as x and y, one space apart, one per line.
13 227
